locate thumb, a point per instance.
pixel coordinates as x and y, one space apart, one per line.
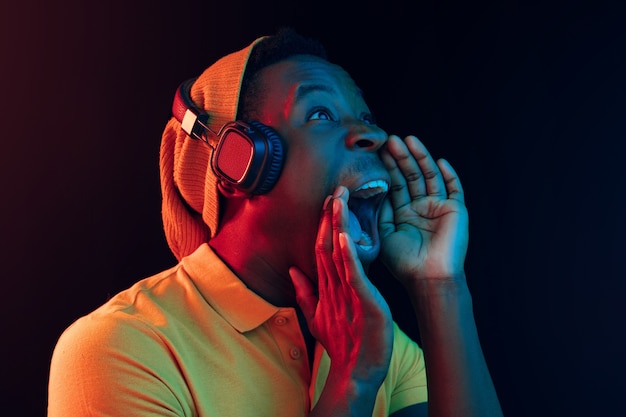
386 224
306 294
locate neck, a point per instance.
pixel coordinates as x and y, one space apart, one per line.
254 267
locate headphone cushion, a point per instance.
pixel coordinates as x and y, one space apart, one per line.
276 157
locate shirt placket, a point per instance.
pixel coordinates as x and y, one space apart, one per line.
288 336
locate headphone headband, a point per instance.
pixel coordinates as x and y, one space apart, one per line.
194 121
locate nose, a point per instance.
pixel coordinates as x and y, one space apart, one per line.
366 137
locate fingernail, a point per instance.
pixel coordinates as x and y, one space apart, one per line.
339 192
326 202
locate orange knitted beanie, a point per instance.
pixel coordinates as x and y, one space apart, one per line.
190 206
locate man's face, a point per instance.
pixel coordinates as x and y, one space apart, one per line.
330 140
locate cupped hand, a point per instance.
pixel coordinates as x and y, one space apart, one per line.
344 311
424 221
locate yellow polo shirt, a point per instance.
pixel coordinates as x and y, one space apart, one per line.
195 341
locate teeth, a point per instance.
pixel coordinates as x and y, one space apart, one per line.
380 184
366 242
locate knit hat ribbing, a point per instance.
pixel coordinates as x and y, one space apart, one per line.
190 207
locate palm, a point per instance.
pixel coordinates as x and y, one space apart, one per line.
423 224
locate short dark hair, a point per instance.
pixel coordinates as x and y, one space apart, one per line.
284 44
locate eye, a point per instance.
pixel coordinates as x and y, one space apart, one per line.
368 118
320 114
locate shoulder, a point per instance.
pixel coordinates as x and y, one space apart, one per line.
406 378
127 320
405 348
117 356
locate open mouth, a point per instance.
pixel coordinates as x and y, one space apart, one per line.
363 206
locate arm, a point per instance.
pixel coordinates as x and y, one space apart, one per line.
424 227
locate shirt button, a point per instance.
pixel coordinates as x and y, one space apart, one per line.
295 353
280 321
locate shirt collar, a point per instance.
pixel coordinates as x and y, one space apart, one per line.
225 292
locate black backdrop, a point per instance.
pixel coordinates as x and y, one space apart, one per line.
527 101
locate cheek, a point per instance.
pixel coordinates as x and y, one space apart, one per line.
310 176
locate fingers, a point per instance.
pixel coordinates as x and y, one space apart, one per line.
352 268
452 181
337 260
386 223
328 254
309 296
340 225
306 294
323 247
415 174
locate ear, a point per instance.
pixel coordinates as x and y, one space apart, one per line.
230 191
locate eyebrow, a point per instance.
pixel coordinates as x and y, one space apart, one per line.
305 89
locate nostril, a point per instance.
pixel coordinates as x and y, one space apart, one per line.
363 143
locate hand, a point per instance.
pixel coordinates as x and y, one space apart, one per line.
424 222
345 313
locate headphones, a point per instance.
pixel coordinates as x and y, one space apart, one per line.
248 156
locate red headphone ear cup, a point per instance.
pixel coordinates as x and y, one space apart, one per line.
234 157
249 156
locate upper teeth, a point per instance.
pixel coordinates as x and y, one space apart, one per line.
382 185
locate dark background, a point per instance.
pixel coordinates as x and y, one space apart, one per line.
526 100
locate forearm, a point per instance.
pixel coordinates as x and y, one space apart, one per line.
459 383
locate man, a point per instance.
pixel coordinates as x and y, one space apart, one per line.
270 311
